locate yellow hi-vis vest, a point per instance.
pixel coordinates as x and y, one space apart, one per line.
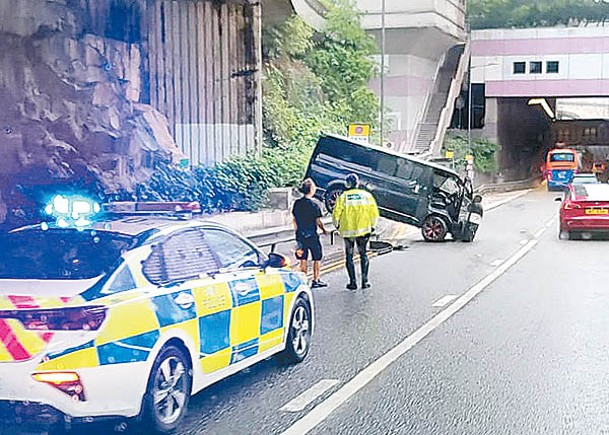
355 213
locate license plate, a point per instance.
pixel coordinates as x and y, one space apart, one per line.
597 211
475 218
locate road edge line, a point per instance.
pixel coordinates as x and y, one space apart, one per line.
319 413
507 201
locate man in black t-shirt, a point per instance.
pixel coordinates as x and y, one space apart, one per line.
307 218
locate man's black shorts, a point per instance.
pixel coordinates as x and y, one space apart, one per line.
312 244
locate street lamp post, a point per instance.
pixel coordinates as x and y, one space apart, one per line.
470 166
383 49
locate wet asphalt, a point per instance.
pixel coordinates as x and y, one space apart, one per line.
504 364
528 355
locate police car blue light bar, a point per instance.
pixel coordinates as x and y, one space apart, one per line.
72 211
170 207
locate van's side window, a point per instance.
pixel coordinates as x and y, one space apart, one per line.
417 174
405 168
348 153
387 165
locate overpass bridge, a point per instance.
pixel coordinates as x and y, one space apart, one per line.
535 87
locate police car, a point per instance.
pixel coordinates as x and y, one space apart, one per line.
131 313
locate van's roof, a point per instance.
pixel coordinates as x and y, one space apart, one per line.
562 150
393 153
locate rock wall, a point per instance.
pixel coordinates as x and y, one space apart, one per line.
70 111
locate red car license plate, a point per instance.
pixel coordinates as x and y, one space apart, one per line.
597 211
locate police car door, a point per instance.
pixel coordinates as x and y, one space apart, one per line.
257 314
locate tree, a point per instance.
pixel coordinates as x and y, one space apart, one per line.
489 14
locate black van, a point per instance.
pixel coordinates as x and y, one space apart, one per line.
426 195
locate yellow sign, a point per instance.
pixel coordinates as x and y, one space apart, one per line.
359 132
450 154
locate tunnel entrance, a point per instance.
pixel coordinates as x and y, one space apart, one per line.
523 131
527 128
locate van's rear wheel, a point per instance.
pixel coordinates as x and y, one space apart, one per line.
434 229
331 197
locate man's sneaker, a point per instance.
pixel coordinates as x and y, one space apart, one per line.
318 284
351 286
366 284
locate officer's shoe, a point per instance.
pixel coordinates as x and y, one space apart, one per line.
318 284
352 286
366 284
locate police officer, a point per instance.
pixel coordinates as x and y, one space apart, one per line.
355 216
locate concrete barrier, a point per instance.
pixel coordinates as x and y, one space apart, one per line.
530 183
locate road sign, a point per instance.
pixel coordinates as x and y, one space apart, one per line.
359 132
450 154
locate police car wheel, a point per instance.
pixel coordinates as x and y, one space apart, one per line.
299 334
168 392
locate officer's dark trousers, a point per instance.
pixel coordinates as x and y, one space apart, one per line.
362 247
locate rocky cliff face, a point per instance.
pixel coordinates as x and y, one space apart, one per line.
70 111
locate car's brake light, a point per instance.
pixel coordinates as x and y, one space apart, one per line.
59 319
67 382
572 206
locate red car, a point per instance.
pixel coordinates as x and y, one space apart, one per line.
585 209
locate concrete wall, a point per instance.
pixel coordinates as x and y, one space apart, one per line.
418 36
408 84
445 15
81 82
203 59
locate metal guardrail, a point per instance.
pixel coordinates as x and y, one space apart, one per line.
272 237
509 186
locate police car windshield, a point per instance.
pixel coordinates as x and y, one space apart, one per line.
60 254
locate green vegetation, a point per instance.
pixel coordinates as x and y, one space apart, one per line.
483 151
488 14
316 81
313 82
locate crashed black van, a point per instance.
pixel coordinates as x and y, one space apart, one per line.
428 196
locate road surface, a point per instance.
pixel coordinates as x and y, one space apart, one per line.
507 335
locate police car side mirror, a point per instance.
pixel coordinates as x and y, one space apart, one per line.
477 199
277 261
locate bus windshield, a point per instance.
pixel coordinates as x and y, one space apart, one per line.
562 157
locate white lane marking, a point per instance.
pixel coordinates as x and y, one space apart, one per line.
301 402
497 263
444 301
550 223
506 201
539 233
524 241
325 408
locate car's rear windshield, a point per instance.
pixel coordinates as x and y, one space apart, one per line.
60 253
592 192
587 179
562 157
